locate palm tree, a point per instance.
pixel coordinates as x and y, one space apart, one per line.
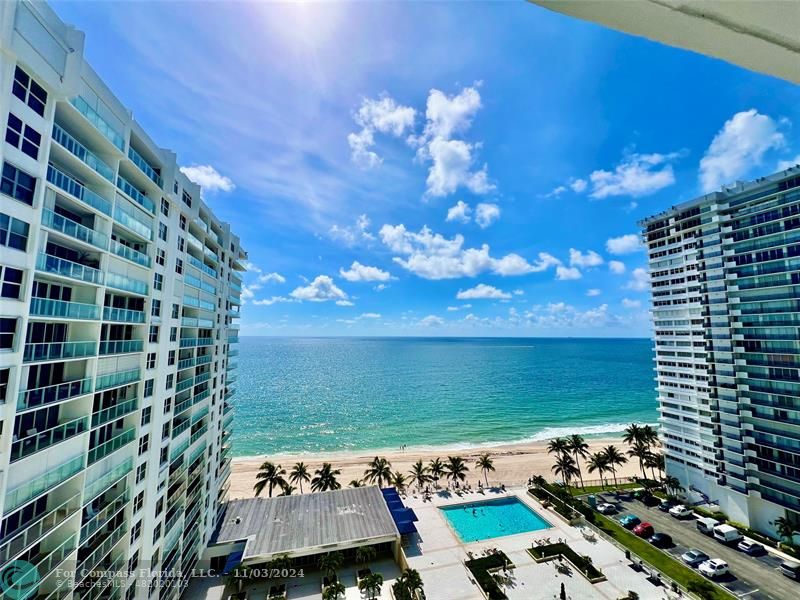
615 459
365 554
287 489
558 446
354 483
633 433
419 474
654 462
269 475
398 480
672 485
325 479
598 462
379 470
650 435
334 591
436 468
408 586
640 451
329 563
565 467
280 563
538 481
371 584
485 464
579 449
300 474
785 528
456 468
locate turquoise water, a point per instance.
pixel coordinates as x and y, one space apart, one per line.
478 521
308 395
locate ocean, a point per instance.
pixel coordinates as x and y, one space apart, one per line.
310 395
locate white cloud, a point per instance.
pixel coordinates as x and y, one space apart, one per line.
383 115
593 292
320 290
737 147
252 267
452 162
432 321
276 277
787 164
461 212
616 266
359 272
486 214
518 292
369 315
447 115
590 259
350 235
248 291
637 175
273 300
628 303
360 153
578 185
482 292
561 315
380 287
624 244
640 280
208 178
344 303
567 273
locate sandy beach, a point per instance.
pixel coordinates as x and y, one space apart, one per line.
514 464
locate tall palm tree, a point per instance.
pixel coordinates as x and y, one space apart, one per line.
633 433
287 489
365 554
371 584
419 474
784 528
329 563
436 468
398 480
456 468
579 449
641 452
598 462
558 446
299 475
413 582
334 591
270 476
650 435
538 481
672 485
654 461
485 464
378 470
565 467
325 479
615 459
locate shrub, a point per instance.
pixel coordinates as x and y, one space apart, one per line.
582 563
480 567
714 514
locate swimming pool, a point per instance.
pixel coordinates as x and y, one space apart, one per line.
486 519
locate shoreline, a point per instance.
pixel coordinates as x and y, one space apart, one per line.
514 463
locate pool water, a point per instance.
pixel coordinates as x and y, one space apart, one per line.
478 521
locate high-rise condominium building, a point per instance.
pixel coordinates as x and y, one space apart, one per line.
725 275
120 290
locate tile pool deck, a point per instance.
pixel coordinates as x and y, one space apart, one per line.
439 557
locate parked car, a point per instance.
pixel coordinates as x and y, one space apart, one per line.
752 548
706 525
680 511
790 569
666 505
727 534
716 567
694 557
629 521
623 495
606 508
644 530
661 540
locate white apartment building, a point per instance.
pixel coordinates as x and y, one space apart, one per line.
119 293
725 276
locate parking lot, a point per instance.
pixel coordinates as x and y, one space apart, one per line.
750 576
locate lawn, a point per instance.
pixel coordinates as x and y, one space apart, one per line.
598 489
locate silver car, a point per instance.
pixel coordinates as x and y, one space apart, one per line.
694 557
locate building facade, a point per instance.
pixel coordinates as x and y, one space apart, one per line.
120 294
725 277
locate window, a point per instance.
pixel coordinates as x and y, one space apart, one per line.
8 327
4 375
17 184
30 92
178 266
167 405
146 415
161 257
155 308
144 443
187 199
165 207
158 281
171 358
181 244
11 282
183 222
141 472
162 231
13 232
173 334
151 360
165 430
164 458
176 311
159 506
136 531
157 533
138 502
24 137
153 334
148 388
170 379
175 187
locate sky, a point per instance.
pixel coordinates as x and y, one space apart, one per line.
430 169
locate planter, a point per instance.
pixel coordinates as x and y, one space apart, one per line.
542 554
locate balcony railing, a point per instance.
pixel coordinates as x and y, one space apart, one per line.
184 384
44 307
47 481
233 339
41 441
114 412
111 380
179 449
183 405
194 322
63 181
140 258
120 346
49 394
46 564
98 122
127 284
86 566
58 351
198 434
129 219
107 480
193 342
82 153
187 363
180 428
127 187
198 303
66 268
75 230
123 315
201 265
113 506
199 397
112 445
144 166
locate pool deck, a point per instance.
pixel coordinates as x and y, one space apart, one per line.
439 556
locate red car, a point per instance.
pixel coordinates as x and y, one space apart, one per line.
644 530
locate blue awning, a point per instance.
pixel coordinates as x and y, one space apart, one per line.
406 527
234 558
403 514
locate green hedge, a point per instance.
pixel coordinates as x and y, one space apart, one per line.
714 514
479 567
560 548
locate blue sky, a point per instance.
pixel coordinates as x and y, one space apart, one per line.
435 169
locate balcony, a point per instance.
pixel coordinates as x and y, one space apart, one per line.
112 413
126 284
66 268
107 480
200 264
198 434
233 339
98 122
195 342
83 154
127 187
41 441
43 563
123 315
199 397
184 384
74 230
130 254
44 307
50 394
66 183
144 167
111 507
128 217
180 428
112 445
178 450
198 303
194 322
188 363
45 351
112 380
120 346
38 486
99 550
183 405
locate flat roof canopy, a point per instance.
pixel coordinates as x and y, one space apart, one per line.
307 524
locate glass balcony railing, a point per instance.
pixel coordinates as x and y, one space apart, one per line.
112 506
82 153
193 342
74 230
40 441
63 181
183 405
128 284
129 219
198 434
100 549
44 307
107 480
198 303
201 265
99 123
45 564
53 393
112 413
58 351
144 166
120 346
184 385
188 363
179 449
127 187
52 478
180 428
66 268
129 253
227 421
123 315
199 416
101 451
199 397
111 380
233 339
194 322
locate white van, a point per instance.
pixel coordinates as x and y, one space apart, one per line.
706 525
727 534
